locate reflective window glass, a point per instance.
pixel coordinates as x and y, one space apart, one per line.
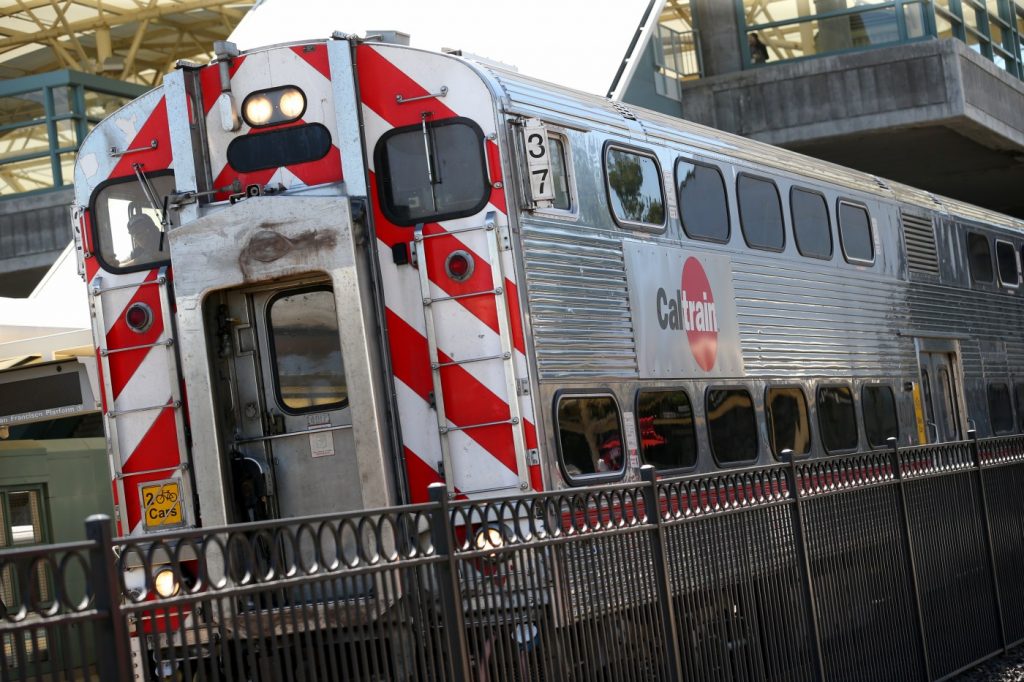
855 233
634 187
811 225
878 405
979 255
127 224
789 426
559 174
732 426
1000 409
760 213
309 370
703 205
432 175
26 520
668 439
590 435
1006 259
836 418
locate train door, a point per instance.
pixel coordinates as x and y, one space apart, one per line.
941 391
292 448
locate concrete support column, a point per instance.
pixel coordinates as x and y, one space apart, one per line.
719 36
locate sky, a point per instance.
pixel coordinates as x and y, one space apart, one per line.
576 43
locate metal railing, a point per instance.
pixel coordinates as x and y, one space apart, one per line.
892 564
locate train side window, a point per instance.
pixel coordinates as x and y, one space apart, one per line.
732 425
979 256
1000 409
309 372
811 225
878 406
703 204
837 418
789 426
127 224
668 439
433 173
855 233
635 189
1018 394
590 435
760 213
559 174
1006 260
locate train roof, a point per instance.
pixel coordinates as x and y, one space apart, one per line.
564 106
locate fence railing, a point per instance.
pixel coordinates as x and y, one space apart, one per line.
894 564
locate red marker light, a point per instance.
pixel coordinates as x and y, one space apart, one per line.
459 265
138 317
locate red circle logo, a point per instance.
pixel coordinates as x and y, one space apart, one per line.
699 313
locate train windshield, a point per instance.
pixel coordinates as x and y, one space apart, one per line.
128 236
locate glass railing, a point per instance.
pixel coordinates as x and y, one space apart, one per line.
44 118
783 30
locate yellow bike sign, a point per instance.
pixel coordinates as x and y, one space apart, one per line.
161 504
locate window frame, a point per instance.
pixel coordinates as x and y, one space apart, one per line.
587 479
640 441
810 421
821 429
44 513
94 226
383 177
649 228
828 216
871 231
739 208
864 421
707 427
573 212
993 269
1016 260
272 347
679 202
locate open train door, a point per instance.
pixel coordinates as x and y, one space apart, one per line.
281 360
941 389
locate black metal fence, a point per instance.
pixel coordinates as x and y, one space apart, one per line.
900 564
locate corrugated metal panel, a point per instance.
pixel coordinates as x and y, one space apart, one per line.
800 319
919 237
579 302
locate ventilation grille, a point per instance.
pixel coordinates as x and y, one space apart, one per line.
919 236
623 110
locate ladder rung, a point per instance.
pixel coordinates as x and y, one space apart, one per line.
447 233
169 341
485 292
467 427
172 405
454 363
97 291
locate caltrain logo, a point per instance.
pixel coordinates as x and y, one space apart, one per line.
693 310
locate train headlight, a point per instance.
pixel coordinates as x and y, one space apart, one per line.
489 538
270 107
165 583
292 104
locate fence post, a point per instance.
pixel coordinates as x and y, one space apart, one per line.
805 560
113 655
652 508
908 547
985 519
448 583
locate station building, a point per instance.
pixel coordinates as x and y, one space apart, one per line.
929 93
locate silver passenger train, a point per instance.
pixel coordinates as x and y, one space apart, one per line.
371 268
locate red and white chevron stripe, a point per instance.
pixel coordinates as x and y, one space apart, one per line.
483 458
305 67
147 443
